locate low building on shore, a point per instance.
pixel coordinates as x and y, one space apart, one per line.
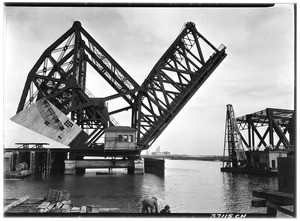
267 159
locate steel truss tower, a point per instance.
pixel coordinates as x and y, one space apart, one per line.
233 146
59 76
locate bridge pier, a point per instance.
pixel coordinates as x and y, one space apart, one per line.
44 162
70 167
133 166
74 156
139 166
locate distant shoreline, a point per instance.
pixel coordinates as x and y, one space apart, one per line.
186 157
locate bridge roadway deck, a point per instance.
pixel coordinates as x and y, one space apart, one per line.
81 151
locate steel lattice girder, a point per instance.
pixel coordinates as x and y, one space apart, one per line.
279 120
60 74
60 77
173 81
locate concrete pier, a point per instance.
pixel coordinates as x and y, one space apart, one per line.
132 166
42 161
139 166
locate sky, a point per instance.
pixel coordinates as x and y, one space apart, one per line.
258 72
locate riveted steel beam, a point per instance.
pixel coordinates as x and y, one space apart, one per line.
60 76
169 86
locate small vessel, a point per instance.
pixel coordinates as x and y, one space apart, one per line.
17 174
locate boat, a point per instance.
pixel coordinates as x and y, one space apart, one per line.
17 174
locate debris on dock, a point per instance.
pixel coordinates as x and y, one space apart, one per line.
56 201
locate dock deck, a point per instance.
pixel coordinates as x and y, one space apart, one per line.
274 201
23 205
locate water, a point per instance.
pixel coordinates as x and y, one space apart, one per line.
188 187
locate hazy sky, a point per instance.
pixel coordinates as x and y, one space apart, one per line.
257 73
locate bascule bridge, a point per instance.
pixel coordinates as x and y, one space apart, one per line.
56 102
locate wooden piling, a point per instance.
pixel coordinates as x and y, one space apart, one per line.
58 163
32 162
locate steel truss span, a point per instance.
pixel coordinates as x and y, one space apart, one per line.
275 123
59 76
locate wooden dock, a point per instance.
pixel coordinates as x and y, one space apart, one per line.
23 205
56 202
274 201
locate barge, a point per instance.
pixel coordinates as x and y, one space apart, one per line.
239 170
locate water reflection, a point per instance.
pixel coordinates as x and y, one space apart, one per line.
108 190
238 189
188 187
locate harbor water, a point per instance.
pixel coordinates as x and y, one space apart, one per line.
189 186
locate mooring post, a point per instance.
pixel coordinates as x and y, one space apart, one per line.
130 168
